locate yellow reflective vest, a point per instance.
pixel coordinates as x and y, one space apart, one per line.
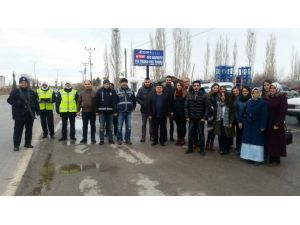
68 103
45 95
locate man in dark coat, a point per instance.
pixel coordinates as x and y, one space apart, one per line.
169 91
197 107
142 98
159 109
106 108
25 106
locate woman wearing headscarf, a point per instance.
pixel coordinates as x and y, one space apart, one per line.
254 124
240 107
266 89
213 97
275 134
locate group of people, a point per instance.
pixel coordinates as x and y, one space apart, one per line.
255 118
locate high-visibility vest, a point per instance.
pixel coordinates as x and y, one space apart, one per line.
68 103
43 95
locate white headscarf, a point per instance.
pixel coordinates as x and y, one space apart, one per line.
44 82
277 86
67 82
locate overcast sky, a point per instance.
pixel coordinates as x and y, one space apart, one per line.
61 51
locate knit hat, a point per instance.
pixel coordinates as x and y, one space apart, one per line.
123 80
23 78
106 82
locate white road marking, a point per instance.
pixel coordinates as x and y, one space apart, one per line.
89 187
147 186
192 194
141 156
128 157
81 149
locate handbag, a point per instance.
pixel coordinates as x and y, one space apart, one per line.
288 135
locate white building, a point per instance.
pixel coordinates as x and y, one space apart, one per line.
2 81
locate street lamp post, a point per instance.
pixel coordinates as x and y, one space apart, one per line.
90 51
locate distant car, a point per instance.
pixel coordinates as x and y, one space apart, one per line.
294 108
289 92
228 86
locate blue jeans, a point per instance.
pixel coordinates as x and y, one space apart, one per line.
124 116
198 126
106 119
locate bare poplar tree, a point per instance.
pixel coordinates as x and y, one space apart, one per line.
225 48
132 67
219 51
251 48
182 52
106 65
234 56
158 42
270 66
293 63
206 62
115 55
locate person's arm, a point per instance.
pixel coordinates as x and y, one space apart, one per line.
264 116
57 103
207 107
53 97
36 103
133 99
115 99
186 107
139 97
79 103
13 100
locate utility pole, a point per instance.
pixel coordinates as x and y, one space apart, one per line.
82 75
90 51
84 70
125 63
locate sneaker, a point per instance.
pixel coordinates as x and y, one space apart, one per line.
128 142
83 141
93 141
62 139
101 143
73 138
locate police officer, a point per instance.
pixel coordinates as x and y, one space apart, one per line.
25 106
46 99
66 106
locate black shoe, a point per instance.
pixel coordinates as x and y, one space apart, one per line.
162 144
128 142
45 136
154 143
257 163
202 153
52 137
172 139
93 141
16 149
82 141
142 140
28 146
101 143
111 142
120 142
62 139
73 138
188 151
222 153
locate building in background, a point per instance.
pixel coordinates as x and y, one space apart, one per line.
2 81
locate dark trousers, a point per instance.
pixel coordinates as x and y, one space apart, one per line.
64 130
196 131
181 127
144 125
86 118
47 122
171 121
238 138
18 131
224 141
161 125
210 136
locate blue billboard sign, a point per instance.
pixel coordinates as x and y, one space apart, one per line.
148 57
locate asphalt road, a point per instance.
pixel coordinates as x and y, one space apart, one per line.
84 169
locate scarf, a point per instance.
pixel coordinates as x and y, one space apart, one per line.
179 93
243 98
226 114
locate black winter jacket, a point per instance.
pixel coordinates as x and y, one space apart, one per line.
19 108
197 106
142 97
106 100
167 109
